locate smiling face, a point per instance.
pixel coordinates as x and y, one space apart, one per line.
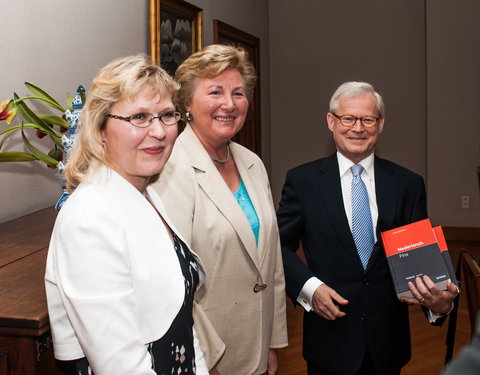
218 107
356 142
138 153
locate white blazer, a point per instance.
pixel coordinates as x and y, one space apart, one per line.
113 279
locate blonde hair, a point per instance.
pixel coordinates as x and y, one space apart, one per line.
210 62
122 78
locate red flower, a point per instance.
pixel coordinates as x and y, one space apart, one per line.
7 111
40 134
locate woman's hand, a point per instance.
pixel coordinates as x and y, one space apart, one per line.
272 362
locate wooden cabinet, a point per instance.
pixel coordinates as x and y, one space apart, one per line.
25 341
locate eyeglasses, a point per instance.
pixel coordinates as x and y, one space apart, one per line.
350 121
145 119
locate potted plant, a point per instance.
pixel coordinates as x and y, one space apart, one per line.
60 129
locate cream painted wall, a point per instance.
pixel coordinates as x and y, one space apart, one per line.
307 49
59 44
315 46
250 16
453 78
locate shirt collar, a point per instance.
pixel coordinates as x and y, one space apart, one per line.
344 164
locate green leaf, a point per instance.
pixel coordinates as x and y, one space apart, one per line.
7 135
31 117
54 120
10 131
27 113
69 102
37 153
18 127
10 156
57 141
44 96
46 101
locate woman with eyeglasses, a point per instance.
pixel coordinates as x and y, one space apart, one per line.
218 195
120 280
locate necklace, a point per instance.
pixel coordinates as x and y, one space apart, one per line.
224 161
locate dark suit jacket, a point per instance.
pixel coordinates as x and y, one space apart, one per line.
312 211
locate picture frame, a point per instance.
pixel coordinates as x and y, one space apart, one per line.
175 28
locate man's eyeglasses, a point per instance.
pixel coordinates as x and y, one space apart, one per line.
145 119
350 121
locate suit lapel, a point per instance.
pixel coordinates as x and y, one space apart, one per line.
254 181
386 190
386 187
215 188
331 190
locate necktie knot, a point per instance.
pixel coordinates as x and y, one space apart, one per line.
357 169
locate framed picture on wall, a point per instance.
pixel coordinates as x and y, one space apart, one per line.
250 135
175 32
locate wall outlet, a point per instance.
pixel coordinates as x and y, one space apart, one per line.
465 201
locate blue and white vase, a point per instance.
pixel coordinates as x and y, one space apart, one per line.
73 119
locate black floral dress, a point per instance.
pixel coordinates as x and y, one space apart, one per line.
173 353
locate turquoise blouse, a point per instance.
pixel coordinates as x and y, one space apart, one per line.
243 199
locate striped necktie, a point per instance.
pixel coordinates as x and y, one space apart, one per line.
362 227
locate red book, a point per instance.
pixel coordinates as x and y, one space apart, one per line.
442 244
412 250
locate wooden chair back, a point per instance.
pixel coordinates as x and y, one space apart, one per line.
471 286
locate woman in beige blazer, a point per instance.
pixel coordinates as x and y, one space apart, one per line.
218 195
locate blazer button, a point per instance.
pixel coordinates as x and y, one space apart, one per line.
365 281
363 316
258 287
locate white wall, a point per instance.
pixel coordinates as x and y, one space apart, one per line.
316 46
250 16
421 55
453 117
57 45
307 49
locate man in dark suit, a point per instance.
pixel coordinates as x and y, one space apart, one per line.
355 323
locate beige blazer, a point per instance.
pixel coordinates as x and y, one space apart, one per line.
247 319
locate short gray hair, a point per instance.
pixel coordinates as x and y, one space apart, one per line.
353 89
